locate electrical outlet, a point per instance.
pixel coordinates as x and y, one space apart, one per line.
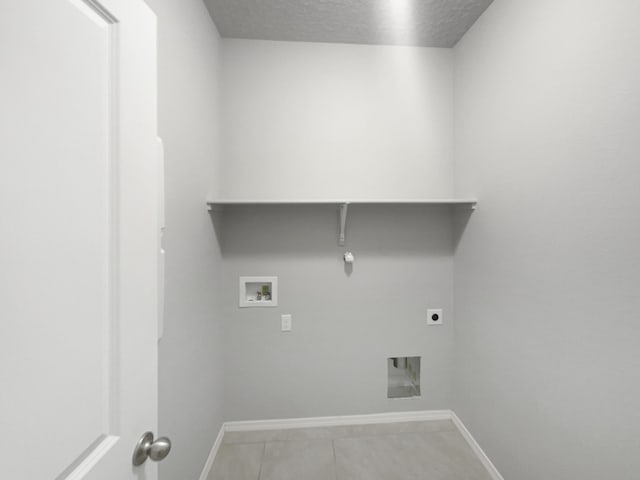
286 323
434 316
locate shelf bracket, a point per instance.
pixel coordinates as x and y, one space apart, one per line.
344 208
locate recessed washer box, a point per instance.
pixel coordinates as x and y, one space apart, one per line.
258 292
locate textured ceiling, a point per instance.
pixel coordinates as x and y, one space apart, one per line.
428 23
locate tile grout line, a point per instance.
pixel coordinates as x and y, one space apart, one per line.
335 460
264 448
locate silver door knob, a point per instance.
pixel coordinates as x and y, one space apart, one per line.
147 448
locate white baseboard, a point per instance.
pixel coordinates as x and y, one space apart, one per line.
212 455
419 416
285 424
475 446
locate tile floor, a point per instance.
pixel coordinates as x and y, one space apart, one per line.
432 450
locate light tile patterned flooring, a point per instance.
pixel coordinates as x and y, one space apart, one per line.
431 450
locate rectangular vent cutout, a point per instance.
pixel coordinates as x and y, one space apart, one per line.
403 377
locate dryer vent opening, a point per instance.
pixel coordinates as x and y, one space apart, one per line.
403 377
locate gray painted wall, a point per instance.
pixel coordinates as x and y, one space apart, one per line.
306 121
313 120
345 325
547 274
191 350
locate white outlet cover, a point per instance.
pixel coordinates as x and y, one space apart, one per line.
434 316
286 323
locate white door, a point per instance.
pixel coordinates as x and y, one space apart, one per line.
78 238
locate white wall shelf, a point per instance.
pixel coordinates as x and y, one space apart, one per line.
471 202
343 205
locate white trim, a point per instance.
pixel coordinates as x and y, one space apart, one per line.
104 446
338 421
417 416
488 464
212 455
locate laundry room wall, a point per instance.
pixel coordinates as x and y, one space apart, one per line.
547 273
190 353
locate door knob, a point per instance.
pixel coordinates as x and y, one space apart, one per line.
147 448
